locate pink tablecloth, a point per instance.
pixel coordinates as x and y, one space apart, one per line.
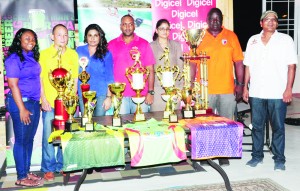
215 136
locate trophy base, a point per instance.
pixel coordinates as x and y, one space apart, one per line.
117 122
139 117
89 127
58 124
188 114
167 114
71 126
203 111
84 120
173 118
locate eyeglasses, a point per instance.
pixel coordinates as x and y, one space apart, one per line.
164 29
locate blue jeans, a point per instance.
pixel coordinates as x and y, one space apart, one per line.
129 107
51 162
99 110
263 111
24 134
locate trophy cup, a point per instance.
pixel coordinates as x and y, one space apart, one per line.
89 107
167 76
117 90
70 102
58 79
139 75
84 77
194 38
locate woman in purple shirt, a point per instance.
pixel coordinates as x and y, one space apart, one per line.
22 101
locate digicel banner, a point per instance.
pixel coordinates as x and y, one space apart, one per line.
182 14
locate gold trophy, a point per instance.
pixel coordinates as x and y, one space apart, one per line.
58 79
70 102
139 76
200 94
89 107
117 90
84 76
167 76
194 38
186 92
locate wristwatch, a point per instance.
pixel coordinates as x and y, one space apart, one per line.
152 92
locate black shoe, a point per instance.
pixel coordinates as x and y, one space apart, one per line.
224 162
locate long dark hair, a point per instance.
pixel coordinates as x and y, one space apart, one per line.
15 46
102 46
159 22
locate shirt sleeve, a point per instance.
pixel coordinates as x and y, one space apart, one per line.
109 68
12 67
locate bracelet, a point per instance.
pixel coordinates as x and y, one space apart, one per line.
108 97
240 84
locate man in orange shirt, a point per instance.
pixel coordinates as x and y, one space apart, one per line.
226 60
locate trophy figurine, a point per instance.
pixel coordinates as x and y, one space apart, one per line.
89 107
70 102
117 90
139 76
167 76
58 79
84 76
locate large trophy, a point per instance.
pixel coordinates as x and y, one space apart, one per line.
167 76
137 75
199 93
117 90
84 76
70 102
58 79
89 107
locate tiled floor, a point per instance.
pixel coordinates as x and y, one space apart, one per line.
236 171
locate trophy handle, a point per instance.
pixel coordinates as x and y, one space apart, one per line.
159 74
128 72
175 70
147 75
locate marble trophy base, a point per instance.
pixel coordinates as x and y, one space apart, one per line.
173 118
89 127
203 111
138 115
188 114
84 120
117 121
71 126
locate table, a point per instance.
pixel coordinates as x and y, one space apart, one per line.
208 137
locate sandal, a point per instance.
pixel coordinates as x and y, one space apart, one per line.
33 176
25 182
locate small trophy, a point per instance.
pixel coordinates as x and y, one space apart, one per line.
167 76
84 76
58 79
89 107
139 76
117 90
174 96
70 103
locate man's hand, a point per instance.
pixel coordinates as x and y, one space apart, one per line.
149 99
238 90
